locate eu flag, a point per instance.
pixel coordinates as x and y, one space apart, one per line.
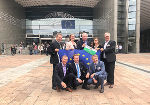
68 24
85 57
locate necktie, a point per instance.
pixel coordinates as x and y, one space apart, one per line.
78 71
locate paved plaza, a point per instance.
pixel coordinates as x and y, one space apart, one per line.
26 80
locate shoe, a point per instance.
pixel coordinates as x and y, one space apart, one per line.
96 87
106 84
111 86
85 87
102 90
68 89
54 88
58 89
74 88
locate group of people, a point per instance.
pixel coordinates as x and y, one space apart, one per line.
70 76
41 48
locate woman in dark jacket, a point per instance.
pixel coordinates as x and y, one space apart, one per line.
96 44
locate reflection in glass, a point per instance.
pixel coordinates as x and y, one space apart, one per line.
132 15
132 21
132 8
48 26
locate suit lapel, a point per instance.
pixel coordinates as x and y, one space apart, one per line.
75 69
61 68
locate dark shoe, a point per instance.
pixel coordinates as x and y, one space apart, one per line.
106 84
74 88
85 87
54 88
96 87
68 89
111 86
102 90
58 89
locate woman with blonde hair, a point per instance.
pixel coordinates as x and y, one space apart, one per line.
71 44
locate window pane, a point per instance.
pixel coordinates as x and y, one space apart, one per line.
131 27
132 15
132 8
132 2
132 21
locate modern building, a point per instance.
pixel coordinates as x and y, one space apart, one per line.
39 20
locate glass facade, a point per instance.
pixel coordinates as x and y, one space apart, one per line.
131 26
44 22
51 25
121 28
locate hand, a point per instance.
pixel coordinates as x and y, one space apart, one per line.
87 75
63 85
79 80
94 80
83 45
97 48
92 75
102 49
56 50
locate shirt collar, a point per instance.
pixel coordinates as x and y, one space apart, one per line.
96 63
57 41
76 63
63 65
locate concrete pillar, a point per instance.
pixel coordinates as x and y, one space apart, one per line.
115 19
126 29
138 26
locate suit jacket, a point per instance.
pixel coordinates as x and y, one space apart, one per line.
99 70
80 43
109 51
83 70
54 56
59 74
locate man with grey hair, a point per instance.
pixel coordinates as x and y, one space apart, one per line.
108 56
97 73
82 43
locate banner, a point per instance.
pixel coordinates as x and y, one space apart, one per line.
84 57
68 24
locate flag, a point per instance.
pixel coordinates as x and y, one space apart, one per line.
84 57
68 24
90 50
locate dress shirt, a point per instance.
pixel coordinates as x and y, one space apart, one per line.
64 69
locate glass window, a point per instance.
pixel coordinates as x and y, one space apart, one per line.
32 27
48 26
132 15
132 8
28 22
132 2
34 32
131 27
35 22
132 21
46 32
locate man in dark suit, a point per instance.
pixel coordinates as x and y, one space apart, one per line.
80 72
55 46
82 43
108 56
64 78
97 73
